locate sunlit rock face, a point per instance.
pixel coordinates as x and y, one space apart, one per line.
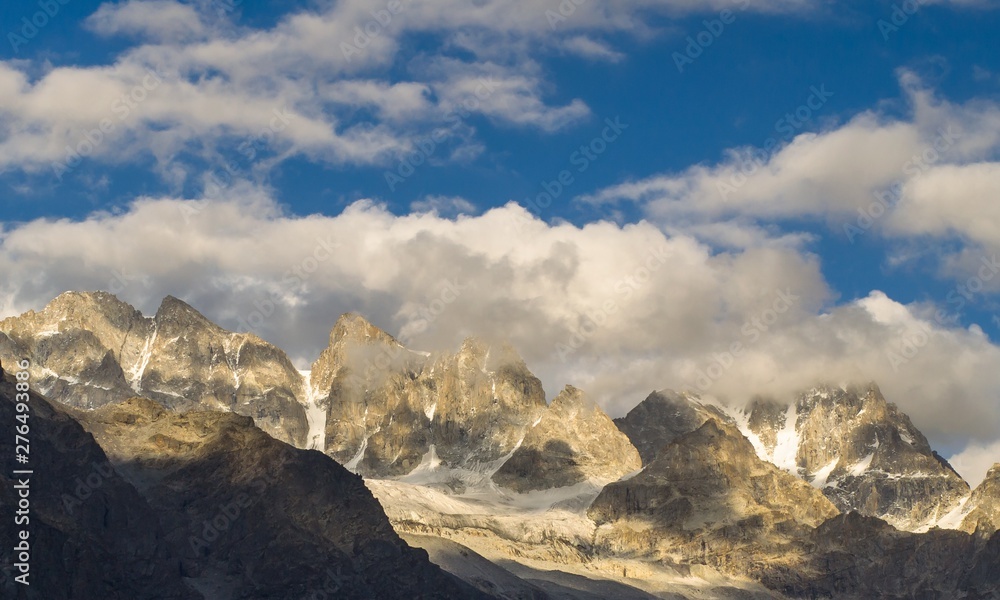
862 452
390 409
661 418
981 513
708 497
90 349
573 441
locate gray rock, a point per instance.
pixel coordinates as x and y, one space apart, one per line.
252 517
982 510
573 441
860 450
91 349
389 406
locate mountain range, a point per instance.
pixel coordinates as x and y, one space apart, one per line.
385 472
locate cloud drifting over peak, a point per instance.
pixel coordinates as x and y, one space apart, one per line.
617 310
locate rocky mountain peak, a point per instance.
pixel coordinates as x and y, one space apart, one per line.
101 314
982 510
571 400
660 419
391 409
573 441
87 303
174 312
354 327
91 349
713 439
708 495
848 441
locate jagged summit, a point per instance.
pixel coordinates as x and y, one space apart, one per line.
573 441
982 510
573 399
173 309
355 327
390 409
660 419
89 349
848 441
465 447
708 496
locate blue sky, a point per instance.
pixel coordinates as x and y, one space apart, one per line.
190 150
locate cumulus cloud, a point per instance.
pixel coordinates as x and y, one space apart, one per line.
617 310
976 460
931 173
219 82
157 20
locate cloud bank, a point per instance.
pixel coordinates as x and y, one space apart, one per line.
617 310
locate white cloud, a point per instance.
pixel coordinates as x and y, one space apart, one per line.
222 80
931 173
157 20
976 460
444 205
617 310
218 84
591 48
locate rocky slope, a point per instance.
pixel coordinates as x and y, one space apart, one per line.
467 459
661 418
861 451
91 349
572 442
91 534
852 557
251 517
391 409
544 537
707 497
981 512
